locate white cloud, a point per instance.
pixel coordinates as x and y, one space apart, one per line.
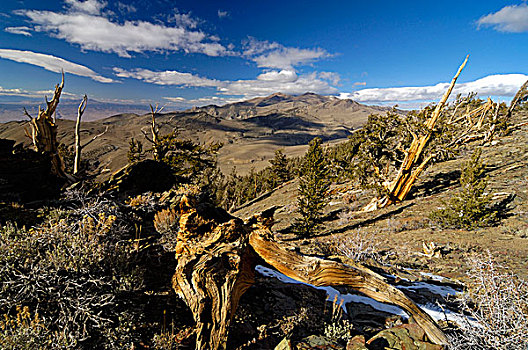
26 31
165 77
332 77
501 85
284 76
31 94
11 92
184 20
126 8
202 101
513 18
175 99
263 87
286 81
274 55
223 14
85 24
92 7
52 63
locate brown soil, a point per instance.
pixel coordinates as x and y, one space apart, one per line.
400 230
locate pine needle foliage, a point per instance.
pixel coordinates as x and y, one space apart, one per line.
471 207
279 169
135 151
313 189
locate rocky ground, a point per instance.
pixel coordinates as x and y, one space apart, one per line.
279 313
394 237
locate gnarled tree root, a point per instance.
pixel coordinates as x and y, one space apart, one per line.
217 254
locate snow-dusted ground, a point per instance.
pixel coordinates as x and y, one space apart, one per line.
444 291
435 311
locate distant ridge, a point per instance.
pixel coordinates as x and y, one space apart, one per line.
250 130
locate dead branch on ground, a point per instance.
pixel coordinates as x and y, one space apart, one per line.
217 254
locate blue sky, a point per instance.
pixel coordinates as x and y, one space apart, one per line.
185 53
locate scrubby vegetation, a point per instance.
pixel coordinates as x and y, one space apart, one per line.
471 207
498 304
71 281
95 268
313 189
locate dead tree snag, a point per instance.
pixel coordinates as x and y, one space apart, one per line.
521 95
44 132
78 146
217 254
480 123
158 152
415 161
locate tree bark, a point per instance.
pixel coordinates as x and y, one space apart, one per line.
78 147
44 132
217 254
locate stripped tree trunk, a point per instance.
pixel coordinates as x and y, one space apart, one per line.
413 163
44 132
216 256
78 147
521 95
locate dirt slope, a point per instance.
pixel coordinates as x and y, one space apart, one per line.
401 229
251 131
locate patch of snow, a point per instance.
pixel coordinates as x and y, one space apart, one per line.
334 294
444 291
396 277
432 277
435 311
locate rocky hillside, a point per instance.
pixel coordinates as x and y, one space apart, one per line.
251 131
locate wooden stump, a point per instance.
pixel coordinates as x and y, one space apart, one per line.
217 254
215 267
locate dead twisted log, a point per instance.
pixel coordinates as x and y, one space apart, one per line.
217 254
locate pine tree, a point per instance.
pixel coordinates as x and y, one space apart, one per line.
313 188
279 169
471 207
135 151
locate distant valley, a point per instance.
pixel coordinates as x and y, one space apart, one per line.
251 130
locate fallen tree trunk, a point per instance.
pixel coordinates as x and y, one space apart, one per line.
320 272
217 254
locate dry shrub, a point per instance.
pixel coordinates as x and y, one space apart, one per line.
497 301
165 341
358 246
70 269
142 200
166 222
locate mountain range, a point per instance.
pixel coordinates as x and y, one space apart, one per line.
250 130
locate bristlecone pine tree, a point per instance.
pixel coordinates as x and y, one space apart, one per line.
279 169
471 208
313 188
